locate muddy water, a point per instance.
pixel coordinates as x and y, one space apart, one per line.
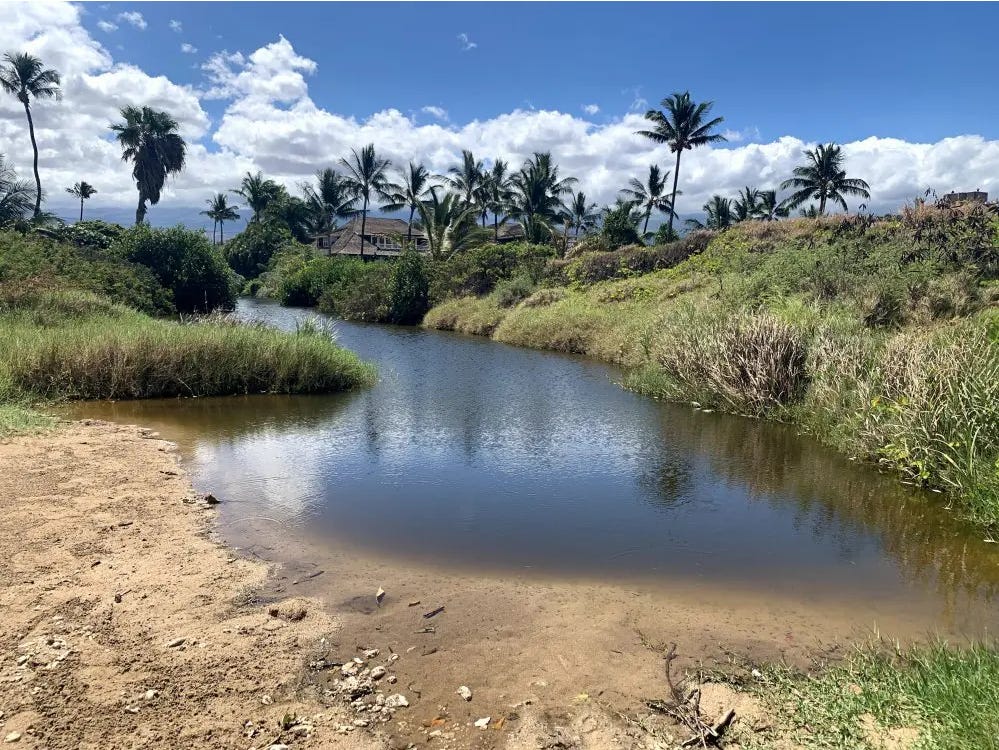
471 455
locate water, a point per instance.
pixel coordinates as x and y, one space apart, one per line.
472 454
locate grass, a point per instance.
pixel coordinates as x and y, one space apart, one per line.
932 697
65 344
17 419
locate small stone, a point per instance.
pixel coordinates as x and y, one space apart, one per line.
378 672
22 659
176 642
392 679
12 737
371 653
210 499
394 657
278 746
483 722
150 694
396 700
360 722
266 700
131 709
465 692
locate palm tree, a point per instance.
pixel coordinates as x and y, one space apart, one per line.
768 208
412 189
745 206
23 76
330 200
718 214
497 193
651 194
822 177
258 192
15 195
149 139
293 212
220 211
367 179
449 223
467 178
536 196
84 191
580 213
684 125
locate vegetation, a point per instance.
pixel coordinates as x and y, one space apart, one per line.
367 179
84 191
219 211
823 178
15 195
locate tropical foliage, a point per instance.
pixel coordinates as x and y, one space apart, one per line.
84 191
150 141
824 179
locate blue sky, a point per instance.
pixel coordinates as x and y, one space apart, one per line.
288 88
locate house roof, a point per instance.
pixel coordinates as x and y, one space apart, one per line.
347 239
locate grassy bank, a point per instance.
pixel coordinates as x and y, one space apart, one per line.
879 338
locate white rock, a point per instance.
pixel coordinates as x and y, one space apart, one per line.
394 657
396 700
266 700
150 694
371 653
465 692
360 722
392 679
176 642
378 672
12 737
483 722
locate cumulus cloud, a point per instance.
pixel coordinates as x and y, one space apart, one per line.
188 49
107 26
591 109
269 121
176 26
466 43
134 18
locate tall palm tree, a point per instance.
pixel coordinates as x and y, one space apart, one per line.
331 199
258 192
23 76
467 178
718 214
84 191
149 140
650 194
367 178
768 208
220 211
412 189
497 193
449 223
536 196
822 177
15 195
683 126
581 214
744 207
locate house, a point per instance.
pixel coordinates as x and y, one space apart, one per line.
382 238
953 198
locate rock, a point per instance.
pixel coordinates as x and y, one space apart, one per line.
379 596
210 499
360 722
278 746
483 722
392 679
378 672
176 642
396 700
266 700
465 692
150 694
12 737
22 659
371 653
394 657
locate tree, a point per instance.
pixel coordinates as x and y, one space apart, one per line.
329 201
467 178
449 223
718 214
536 196
258 192
220 211
291 212
620 225
768 208
745 206
410 290
84 191
651 194
367 178
15 195
823 178
22 75
497 193
149 140
683 126
580 213
412 189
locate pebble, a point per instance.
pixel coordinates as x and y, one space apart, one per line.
465 692
392 679
360 722
371 653
278 746
266 700
483 722
378 672
176 642
12 737
150 694
396 700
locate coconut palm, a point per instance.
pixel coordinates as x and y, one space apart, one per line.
220 211
536 196
822 177
718 214
84 191
768 208
683 126
330 200
744 207
412 189
15 195
149 140
449 223
581 214
24 76
291 211
651 194
258 192
497 192
467 178
367 178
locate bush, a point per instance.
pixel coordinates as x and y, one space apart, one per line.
478 271
545 297
511 291
93 233
618 228
410 290
185 263
249 253
363 294
590 268
302 279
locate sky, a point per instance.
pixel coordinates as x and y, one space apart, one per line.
289 88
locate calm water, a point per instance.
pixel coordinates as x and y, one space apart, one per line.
472 453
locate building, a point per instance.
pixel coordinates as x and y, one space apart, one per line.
382 238
953 198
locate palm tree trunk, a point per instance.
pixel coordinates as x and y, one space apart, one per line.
221 232
822 206
81 208
645 227
409 231
215 228
34 147
364 220
496 227
140 211
672 201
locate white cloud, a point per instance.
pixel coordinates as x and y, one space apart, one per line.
270 122
466 43
135 18
439 112
591 109
188 49
176 26
107 26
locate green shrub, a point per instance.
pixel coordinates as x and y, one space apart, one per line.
249 253
410 298
363 294
479 270
302 281
589 268
93 233
511 291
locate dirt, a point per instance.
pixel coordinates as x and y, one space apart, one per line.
110 558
